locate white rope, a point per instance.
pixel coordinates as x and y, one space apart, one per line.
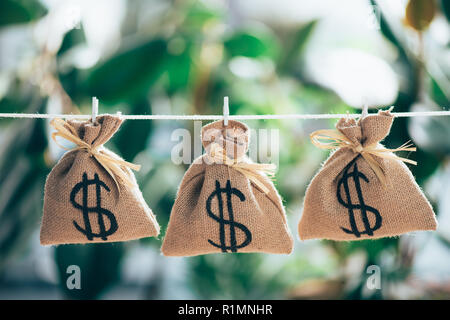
219 117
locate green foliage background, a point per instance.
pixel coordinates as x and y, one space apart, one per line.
185 58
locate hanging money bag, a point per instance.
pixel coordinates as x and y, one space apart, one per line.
225 202
363 191
91 195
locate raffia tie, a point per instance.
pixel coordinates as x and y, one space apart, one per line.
112 165
252 171
333 139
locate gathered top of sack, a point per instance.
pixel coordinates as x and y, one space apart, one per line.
366 131
233 138
91 194
363 190
98 133
227 203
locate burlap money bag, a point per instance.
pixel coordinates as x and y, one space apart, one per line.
83 202
226 208
348 200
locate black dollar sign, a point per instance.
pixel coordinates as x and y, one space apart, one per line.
229 191
87 231
364 209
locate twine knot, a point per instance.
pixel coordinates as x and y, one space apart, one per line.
358 149
334 139
250 170
113 165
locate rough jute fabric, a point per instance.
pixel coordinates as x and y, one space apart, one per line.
218 209
83 204
346 200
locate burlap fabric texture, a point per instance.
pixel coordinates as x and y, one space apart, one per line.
221 209
346 200
83 202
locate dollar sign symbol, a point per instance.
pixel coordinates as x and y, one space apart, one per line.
361 206
87 231
229 191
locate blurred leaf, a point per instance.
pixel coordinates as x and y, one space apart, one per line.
252 44
198 15
16 99
298 42
126 140
127 77
22 137
71 39
178 70
420 13
387 31
16 12
22 178
445 5
427 165
437 94
232 276
21 215
129 74
70 81
373 248
10 104
444 240
99 267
